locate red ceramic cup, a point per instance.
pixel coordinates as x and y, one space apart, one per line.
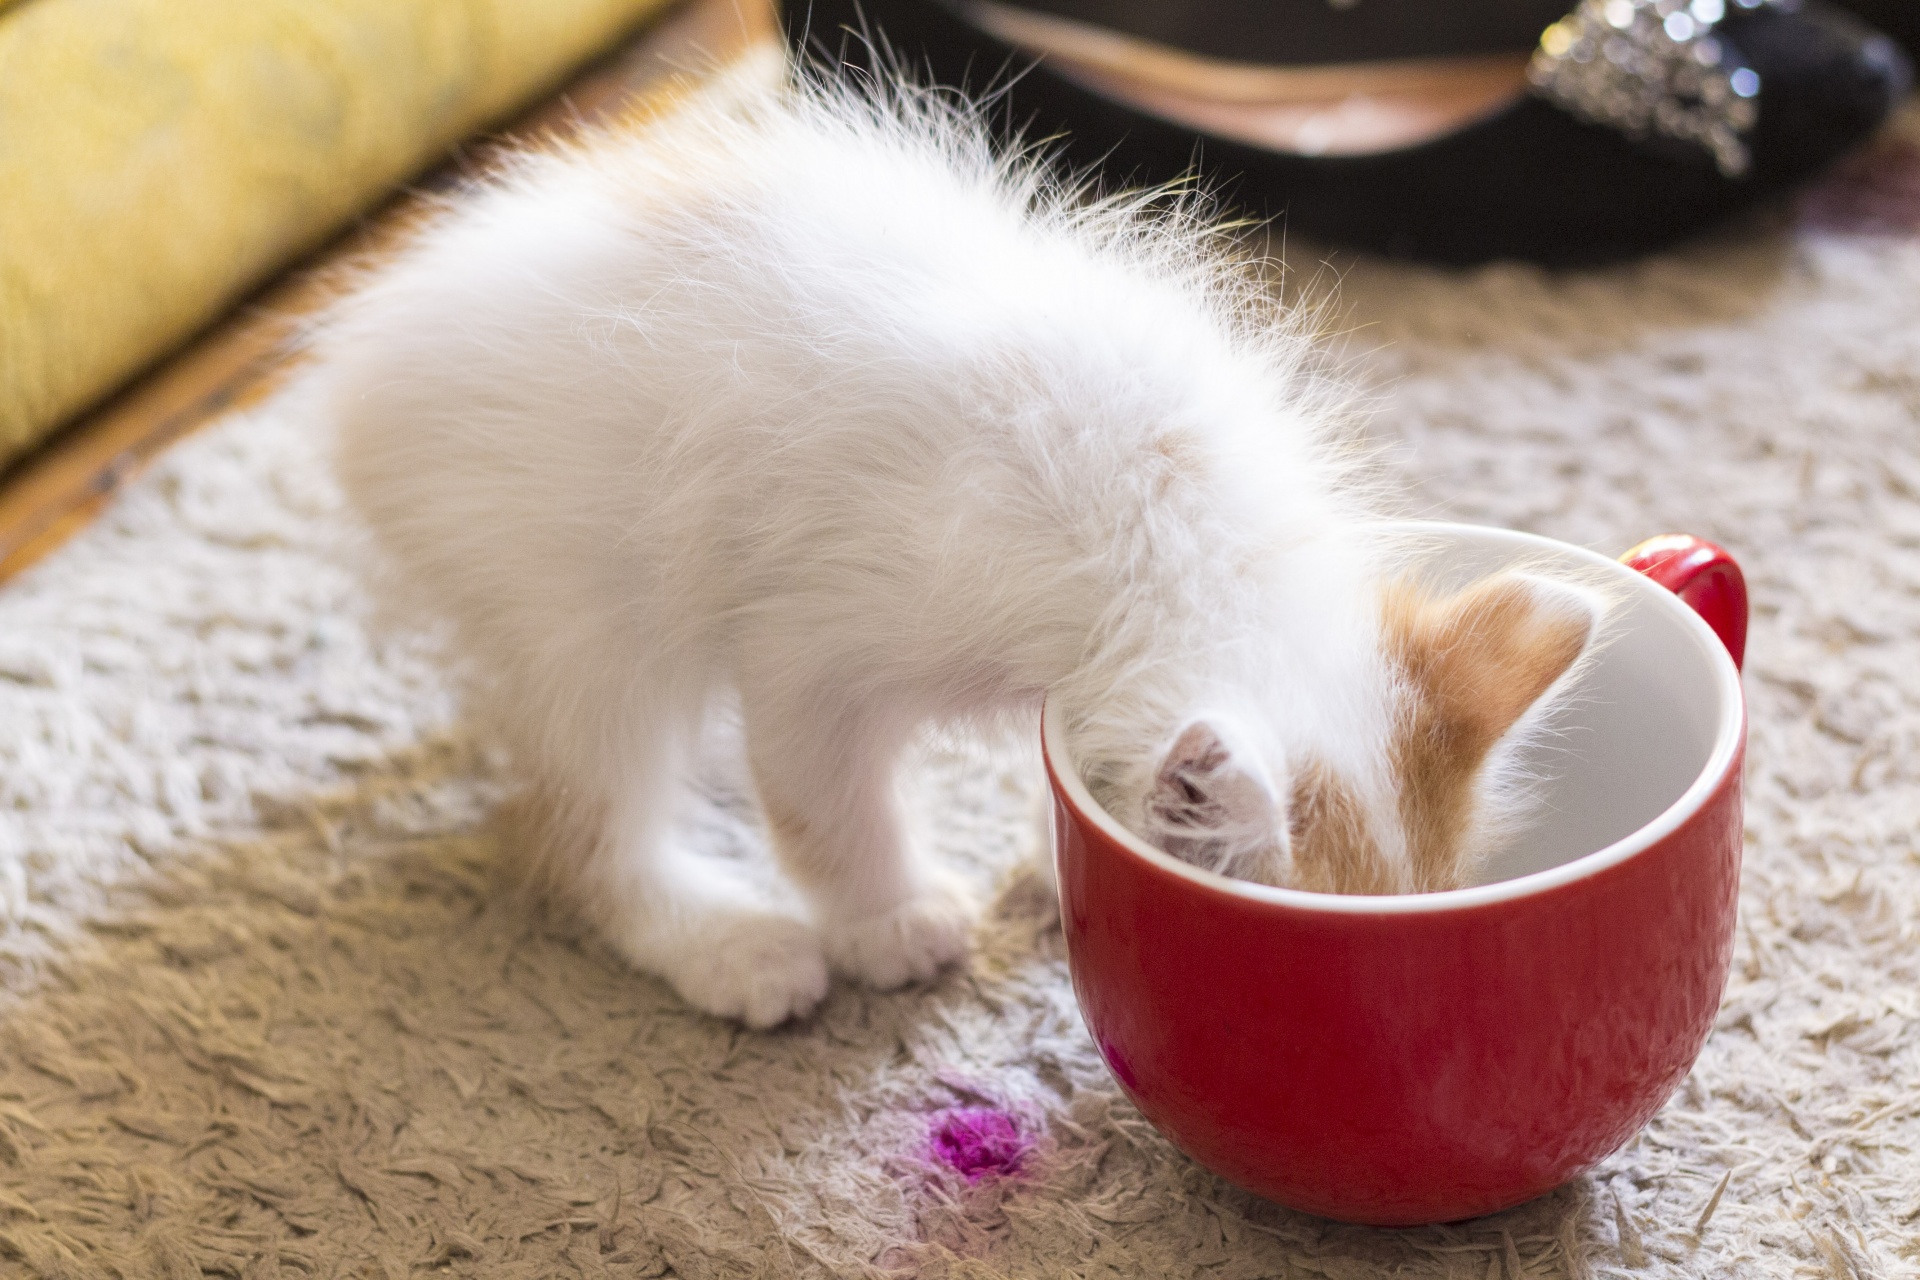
1424 1058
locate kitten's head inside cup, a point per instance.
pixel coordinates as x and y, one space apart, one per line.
1421 1058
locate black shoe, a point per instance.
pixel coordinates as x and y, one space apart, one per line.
1897 18
1311 32
1318 31
1529 179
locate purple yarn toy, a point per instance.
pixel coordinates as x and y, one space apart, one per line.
977 1141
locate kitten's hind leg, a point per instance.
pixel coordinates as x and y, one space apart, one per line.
825 772
694 920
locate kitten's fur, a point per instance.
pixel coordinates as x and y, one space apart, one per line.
809 399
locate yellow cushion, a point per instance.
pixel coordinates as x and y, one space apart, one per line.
159 158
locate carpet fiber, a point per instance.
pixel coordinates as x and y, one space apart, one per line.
266 1017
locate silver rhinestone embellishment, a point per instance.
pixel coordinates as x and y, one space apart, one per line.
1653 66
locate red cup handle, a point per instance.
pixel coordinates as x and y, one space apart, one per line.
1704 576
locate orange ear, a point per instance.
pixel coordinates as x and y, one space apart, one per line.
1484 656
1476 662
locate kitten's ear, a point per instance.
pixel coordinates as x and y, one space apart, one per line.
1212 802
1483 657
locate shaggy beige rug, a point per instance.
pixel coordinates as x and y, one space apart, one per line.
264 1017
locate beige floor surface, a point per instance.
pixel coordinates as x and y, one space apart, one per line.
266 1018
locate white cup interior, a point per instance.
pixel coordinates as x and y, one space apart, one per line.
1642 724
1649 727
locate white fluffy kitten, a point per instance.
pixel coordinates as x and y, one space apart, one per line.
815 402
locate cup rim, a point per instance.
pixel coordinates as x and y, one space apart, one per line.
1728 740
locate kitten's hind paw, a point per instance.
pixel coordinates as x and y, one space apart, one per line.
910 943
762 969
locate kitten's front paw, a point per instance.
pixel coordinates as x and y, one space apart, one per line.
761 969
910 943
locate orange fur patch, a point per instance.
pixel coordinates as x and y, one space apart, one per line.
1475 662
1333 849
